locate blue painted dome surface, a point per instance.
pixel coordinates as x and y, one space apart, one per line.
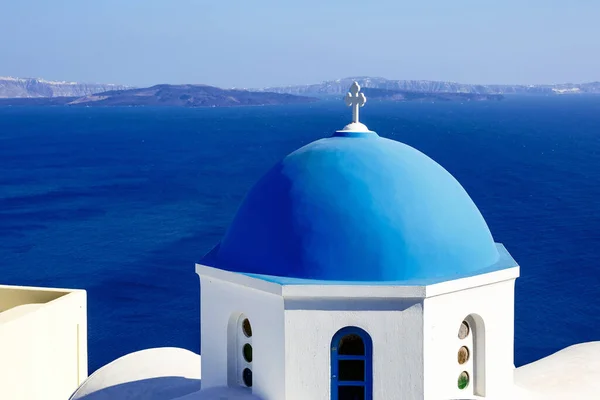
357 208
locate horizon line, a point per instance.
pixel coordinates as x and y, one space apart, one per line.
361 77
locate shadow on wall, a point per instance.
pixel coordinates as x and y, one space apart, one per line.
162 388
478 339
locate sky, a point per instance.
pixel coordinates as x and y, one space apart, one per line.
259 43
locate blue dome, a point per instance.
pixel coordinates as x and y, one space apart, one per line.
357 207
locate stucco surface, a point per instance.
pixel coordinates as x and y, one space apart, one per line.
43 342
152 374
571 373
360 208
222 301
395 329
221 393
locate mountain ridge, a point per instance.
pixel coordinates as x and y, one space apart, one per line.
404 95
340 87
167 95
30 91
12 87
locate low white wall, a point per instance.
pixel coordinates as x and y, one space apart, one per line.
219 302
443 315
43 343
395 327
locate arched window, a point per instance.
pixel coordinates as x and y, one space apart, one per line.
351 365
471 355
239 351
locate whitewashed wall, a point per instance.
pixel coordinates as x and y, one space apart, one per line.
395 327
43 343
220 302
494 303
414 331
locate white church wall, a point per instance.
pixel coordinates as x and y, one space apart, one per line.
395 327
489 311
222 303
43 342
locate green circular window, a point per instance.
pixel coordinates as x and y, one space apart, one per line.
247 377
247 328
463 355
463 380
463 331
247 351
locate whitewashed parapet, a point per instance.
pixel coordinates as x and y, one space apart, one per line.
43 342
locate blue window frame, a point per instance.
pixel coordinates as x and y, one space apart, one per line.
351 365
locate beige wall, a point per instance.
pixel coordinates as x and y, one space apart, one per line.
43 342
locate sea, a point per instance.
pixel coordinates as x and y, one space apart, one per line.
122 202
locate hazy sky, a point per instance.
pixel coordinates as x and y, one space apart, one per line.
252 43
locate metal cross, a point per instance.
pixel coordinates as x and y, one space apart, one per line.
355 99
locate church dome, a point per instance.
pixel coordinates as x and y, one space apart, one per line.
357 207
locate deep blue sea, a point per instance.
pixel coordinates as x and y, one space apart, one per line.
123 201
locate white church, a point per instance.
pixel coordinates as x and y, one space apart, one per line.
357 268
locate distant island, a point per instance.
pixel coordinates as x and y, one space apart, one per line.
167 95
340 86
29 91
40 88
405 95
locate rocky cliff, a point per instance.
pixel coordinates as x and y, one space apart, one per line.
34 88
405 95
340 86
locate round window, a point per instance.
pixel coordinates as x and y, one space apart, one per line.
247 351
463 331
247 328
463 380
463 355
247 377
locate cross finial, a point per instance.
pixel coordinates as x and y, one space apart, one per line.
355 99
